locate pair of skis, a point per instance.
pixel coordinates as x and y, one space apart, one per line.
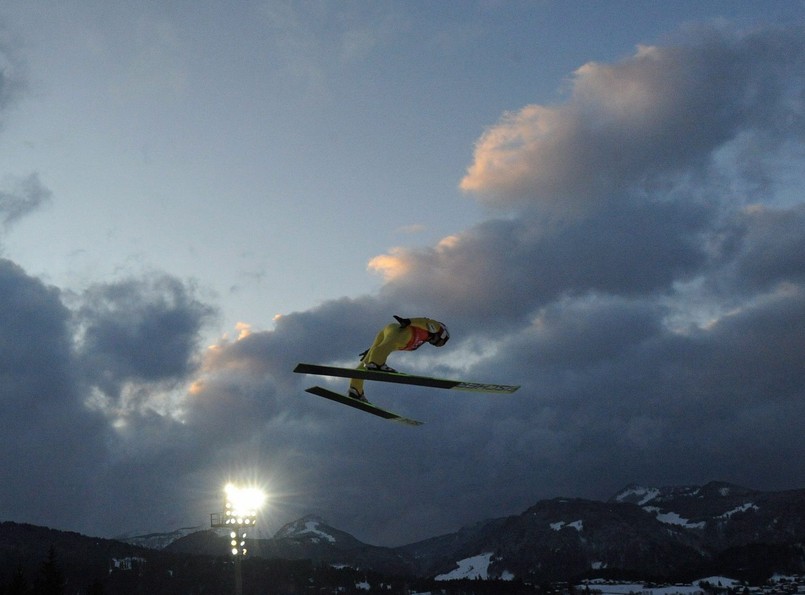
395 377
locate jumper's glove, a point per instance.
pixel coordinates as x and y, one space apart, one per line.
404 322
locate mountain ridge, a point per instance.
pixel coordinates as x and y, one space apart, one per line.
673 531
671 534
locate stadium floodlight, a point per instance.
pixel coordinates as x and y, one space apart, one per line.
241 506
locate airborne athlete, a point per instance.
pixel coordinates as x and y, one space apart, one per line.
407 334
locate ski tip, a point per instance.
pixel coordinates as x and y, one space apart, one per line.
411 422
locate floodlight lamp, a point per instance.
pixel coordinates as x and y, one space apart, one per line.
242 504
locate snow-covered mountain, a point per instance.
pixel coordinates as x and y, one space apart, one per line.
315 530
721 514
156 541
714 490
309 526
669 532
309 538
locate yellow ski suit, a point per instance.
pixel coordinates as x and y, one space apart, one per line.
407 334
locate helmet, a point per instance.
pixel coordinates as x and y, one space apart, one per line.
439 334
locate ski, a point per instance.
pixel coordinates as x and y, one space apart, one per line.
363 406
404 379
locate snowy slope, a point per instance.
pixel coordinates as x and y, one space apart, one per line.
156 541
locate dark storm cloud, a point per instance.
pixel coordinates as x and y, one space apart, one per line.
139 330
48 438
763 247
501 270
90 427
138 343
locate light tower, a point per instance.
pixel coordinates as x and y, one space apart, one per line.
241 506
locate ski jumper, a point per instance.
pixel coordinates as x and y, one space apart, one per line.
407 334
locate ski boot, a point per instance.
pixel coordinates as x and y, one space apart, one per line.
373 367
354 393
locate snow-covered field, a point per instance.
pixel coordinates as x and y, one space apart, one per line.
475 567
608 588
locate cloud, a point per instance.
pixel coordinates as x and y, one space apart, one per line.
502 270
633 127
20 197
91 398
48 439
762 247
140 329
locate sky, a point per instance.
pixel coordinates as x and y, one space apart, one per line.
602 200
